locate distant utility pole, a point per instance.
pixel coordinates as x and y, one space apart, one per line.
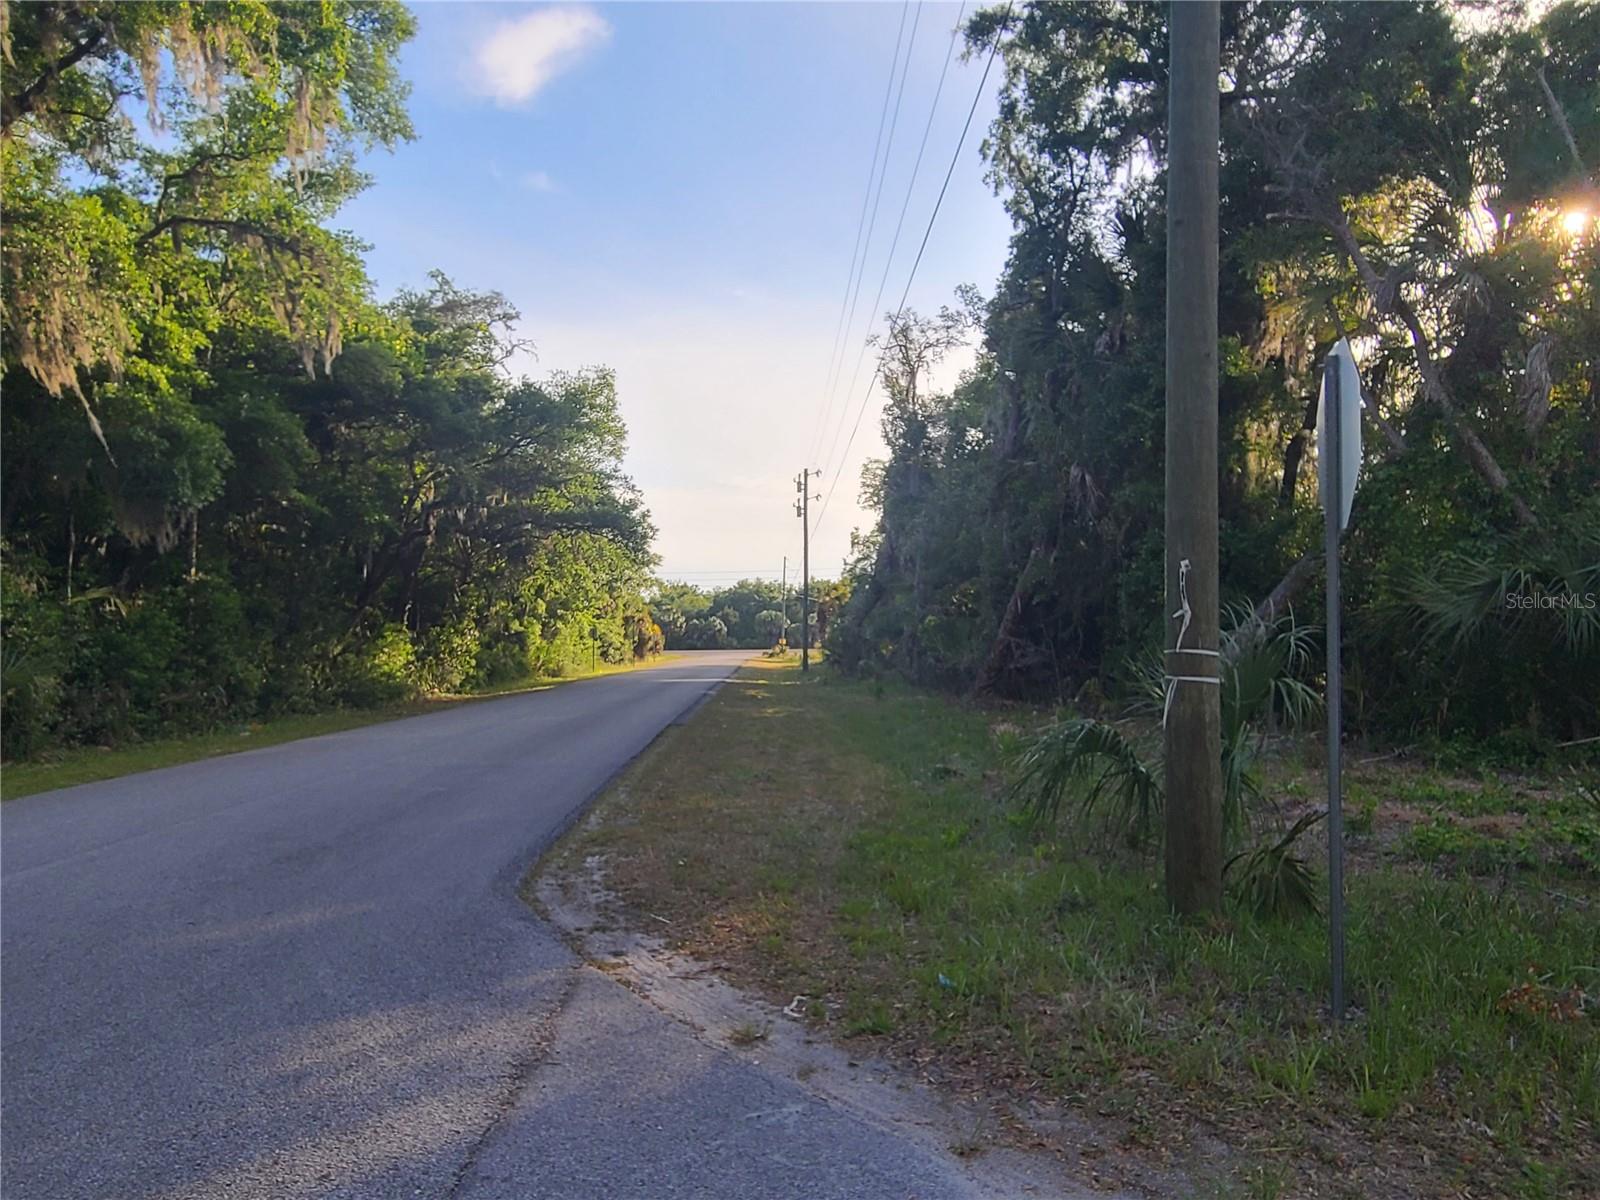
1193 714
802 509
785 592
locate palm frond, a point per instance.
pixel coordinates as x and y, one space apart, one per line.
1093 770
1272 880
1262 667
1463 595
1241 786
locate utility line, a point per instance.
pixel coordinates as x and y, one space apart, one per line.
934 216
905 207
872 224
829 383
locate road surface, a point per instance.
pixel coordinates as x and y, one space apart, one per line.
304 971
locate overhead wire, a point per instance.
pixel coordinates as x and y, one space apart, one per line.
917 262
905 207
829 384
872 224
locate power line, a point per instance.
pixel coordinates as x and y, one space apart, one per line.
872 224
828 382
934 216
905 207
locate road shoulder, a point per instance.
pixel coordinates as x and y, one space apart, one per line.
976 1142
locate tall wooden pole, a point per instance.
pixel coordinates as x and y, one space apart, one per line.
1193 717
802 509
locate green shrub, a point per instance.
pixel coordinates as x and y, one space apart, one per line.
447 656
503 659
382 672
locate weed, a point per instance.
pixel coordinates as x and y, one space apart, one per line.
748 1034
868 1019
1361 819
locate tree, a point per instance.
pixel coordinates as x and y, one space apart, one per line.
1389 173
771 623
263 106
705 633
285 496
737 608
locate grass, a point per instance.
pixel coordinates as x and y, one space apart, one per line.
848 842
747 1034
90 764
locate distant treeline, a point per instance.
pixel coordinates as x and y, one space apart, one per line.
1410 176
235 485
751 614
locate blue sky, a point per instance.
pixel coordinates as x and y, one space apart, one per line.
674 190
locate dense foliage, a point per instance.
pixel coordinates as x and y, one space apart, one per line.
233 483
753 614
1413 177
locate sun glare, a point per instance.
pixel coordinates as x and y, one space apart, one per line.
1576 221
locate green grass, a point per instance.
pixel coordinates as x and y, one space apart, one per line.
863 856
90 764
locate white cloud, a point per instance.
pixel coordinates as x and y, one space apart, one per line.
519 57
528 181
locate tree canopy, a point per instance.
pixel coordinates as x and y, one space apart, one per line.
1413 177
234 483
751 614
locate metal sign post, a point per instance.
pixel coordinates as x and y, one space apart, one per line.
1339 452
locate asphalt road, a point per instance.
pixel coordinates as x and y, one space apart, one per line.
303 971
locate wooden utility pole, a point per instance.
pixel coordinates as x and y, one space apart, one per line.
1193 713
802 509
784 592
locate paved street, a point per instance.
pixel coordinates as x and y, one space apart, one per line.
304 971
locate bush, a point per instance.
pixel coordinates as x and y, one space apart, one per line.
383 672
30 654
502 660
448 656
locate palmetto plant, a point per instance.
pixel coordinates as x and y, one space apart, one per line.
1107 774
1463 596
1504 629
1098 770
1271 880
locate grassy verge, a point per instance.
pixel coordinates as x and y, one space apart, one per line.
91 764
848 842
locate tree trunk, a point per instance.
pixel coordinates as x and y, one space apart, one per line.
999 650
1294 454
1277 600
1434 389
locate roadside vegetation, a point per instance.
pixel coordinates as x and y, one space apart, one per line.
1411 177
861 844
89 764
1417 178
237 485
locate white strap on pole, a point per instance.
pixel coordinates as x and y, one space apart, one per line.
1171 682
